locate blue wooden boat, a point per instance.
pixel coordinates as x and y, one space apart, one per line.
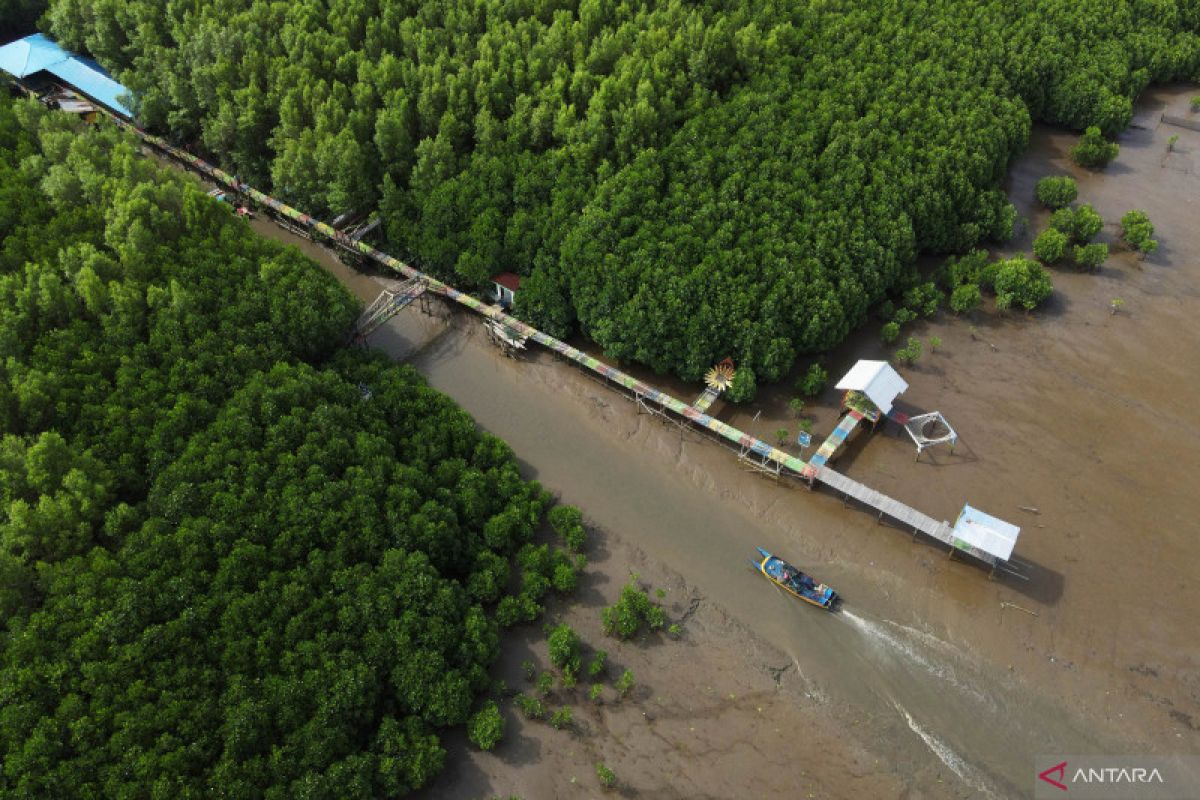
793 581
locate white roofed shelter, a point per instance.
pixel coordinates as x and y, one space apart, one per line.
877 380
990 534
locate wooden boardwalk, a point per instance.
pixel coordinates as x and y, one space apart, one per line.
770 458
900 512
835 439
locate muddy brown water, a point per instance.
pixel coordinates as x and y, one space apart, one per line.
1079 413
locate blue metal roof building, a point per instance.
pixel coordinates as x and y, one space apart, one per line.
38 53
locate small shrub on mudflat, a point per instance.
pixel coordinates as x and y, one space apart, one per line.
607 778
814 380
1050 245
563 644
1056 191
531 707
561 719
597 663
966 298
625 618
1090 257
1022 282
486 727
1093 149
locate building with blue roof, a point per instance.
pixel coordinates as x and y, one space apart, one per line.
25 59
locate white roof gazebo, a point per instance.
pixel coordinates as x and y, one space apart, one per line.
990 534
877 380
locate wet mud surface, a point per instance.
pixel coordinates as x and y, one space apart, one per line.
934 681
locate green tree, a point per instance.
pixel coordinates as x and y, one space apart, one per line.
486 728
563 644
632 611
1091 257
743 387
1093 150
814 380
1020 281
1056 191
1138 231
567 522
1050 245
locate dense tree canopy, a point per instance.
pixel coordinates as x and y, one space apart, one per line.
235 561
683 181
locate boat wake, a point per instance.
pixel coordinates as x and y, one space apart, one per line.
883 636
965 772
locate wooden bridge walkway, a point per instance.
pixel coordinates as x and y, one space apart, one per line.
898 511
767 457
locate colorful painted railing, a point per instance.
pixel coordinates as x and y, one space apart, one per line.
833 442
748 443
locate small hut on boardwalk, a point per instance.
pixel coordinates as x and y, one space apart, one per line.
504 288
871 387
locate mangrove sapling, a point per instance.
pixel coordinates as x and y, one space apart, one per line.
596 693
561 718
633 610
596 666
545 683
625 683
796 404
1116 304
934 343
607 778
563 646
889 332
1195 105
781 436
531 707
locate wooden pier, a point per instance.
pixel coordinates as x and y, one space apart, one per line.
894 509
752 451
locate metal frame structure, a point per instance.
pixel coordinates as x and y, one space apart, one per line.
915 426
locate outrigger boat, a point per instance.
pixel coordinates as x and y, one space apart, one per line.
792 580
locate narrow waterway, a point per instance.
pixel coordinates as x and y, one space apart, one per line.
925 671
923 705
